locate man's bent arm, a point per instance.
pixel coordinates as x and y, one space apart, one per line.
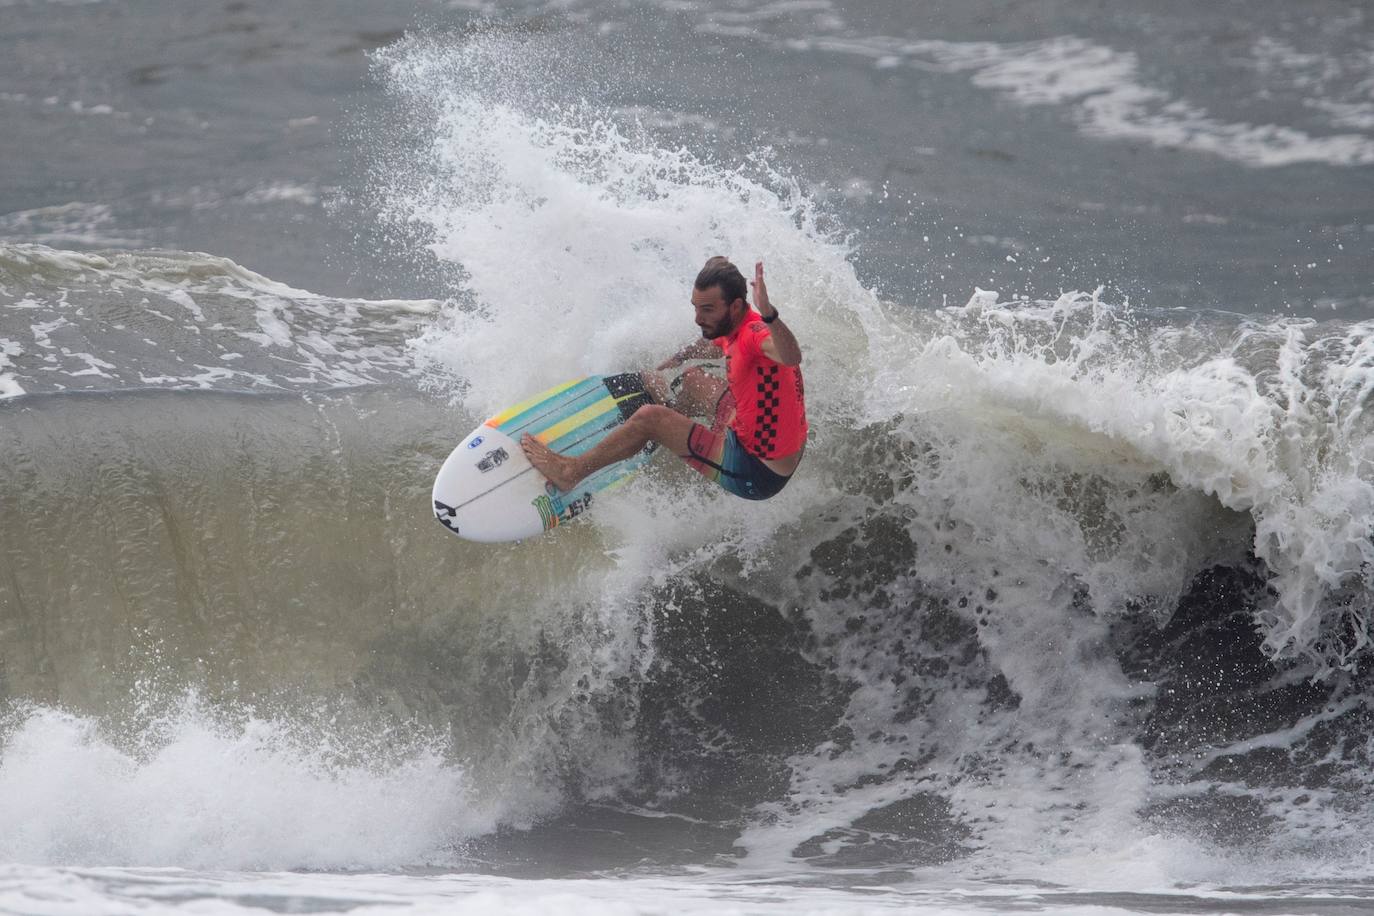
697 349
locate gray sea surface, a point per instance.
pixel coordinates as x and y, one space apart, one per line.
1184 156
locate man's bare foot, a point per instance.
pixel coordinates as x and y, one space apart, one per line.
559 470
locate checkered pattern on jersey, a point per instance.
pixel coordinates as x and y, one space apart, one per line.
766 431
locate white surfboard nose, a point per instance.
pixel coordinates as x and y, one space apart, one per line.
486 490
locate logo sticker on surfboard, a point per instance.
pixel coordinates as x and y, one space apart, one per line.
547 514
445 514
494 458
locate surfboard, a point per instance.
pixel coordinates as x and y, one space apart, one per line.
488 491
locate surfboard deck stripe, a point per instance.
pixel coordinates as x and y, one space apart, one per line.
552 403
571 436
596 413
506 415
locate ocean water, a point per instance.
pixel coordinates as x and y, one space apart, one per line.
1068 609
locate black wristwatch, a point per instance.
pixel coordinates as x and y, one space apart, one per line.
769 319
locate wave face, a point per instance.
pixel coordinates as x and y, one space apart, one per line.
1064 590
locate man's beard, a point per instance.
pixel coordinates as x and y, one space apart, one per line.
719 330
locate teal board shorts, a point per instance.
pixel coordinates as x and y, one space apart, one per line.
722 459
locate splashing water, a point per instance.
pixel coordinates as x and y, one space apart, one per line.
200 789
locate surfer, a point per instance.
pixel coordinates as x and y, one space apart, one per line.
758 433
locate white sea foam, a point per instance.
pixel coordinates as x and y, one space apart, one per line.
284 192
654 117
74 223
1359 115
9 388
88 891
1337 81
94 365
225 790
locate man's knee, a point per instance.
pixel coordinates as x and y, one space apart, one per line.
649 418
649 415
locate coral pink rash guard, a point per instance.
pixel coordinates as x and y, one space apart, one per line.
770 400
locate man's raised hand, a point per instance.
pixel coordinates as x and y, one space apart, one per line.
761 302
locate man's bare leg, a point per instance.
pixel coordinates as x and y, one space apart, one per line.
652 422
